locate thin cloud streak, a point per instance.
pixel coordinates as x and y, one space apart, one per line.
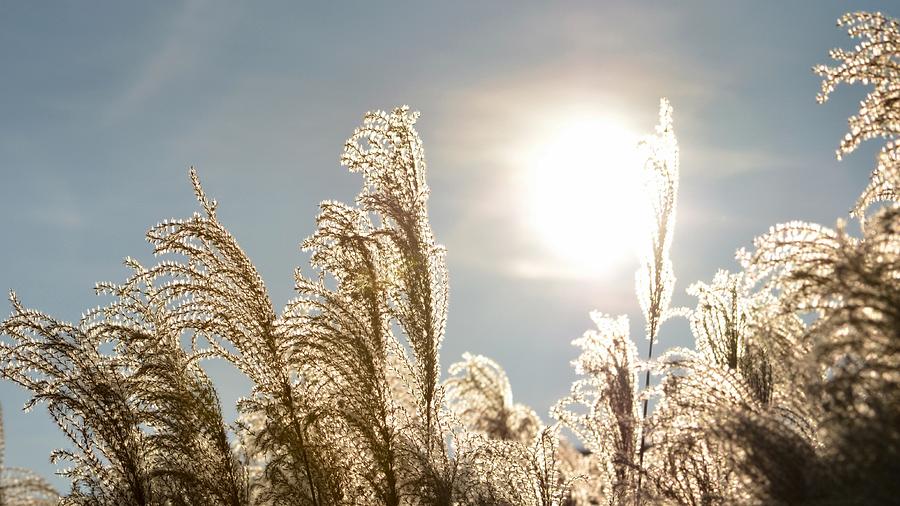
182 51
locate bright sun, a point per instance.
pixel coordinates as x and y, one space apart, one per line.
582 192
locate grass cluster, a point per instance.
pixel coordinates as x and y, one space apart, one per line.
790 396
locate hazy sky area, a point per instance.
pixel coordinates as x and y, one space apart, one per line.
103 109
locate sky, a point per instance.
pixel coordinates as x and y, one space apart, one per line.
104 108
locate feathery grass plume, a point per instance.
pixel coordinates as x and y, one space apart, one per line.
513 459
479 392
694 456
684 465
612 426
346 333
812 417
853 363
22 487
385 274
603 407
89 395
846 359
217 293
655 278
389 404
479 466
387 150
729 372
579 469
175 449
723 328
876 61
510 472
188 440
734 383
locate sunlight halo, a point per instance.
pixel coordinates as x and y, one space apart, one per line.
582 194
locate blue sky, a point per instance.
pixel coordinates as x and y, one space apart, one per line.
103 108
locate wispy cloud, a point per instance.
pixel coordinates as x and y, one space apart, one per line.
181 51
714 162
60 217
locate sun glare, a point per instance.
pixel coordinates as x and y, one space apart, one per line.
582 190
